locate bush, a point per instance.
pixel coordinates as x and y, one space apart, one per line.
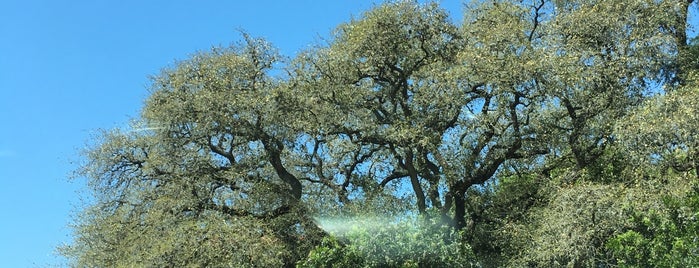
413 242
661 238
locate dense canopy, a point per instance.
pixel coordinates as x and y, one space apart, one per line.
537 133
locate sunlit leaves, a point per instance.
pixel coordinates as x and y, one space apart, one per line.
663 130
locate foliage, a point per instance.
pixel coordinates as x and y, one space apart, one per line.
331 253
665 237
407 243
663 149
530 135
497 216
571 230
199 172
661 133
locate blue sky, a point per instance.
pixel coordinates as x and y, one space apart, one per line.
68 68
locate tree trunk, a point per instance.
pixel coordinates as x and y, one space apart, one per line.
460 210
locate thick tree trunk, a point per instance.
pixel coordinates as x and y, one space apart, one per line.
459 210
415 182
273 149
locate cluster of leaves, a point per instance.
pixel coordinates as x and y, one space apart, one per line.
664 139
661 238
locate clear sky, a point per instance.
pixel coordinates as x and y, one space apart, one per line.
69 68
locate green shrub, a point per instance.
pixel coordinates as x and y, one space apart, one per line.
413 242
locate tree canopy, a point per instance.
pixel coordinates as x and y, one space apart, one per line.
536 133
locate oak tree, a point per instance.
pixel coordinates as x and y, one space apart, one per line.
507 120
